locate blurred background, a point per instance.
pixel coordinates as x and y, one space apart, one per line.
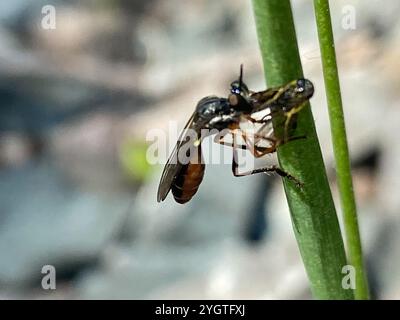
76 191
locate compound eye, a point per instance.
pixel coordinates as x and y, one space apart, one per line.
235 87
300 85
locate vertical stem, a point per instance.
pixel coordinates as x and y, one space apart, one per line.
312 209
340 147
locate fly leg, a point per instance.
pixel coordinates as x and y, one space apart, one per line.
267 169
220 139
257 151
272 168
267 119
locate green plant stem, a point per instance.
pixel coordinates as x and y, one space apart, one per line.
340 148
312 209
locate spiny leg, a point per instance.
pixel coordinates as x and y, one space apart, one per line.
272 168
220 140
258 135
277 141
252 146
256 151
288 117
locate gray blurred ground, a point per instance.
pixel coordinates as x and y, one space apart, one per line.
112 71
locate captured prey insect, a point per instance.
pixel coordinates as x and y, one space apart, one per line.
226 114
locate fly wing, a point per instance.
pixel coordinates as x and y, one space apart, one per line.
172 166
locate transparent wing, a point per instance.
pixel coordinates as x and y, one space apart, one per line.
172 166
263 99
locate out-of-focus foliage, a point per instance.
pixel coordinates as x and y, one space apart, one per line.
134 161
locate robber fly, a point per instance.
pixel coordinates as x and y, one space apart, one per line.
214 112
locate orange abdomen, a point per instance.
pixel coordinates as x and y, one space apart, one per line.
187 182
